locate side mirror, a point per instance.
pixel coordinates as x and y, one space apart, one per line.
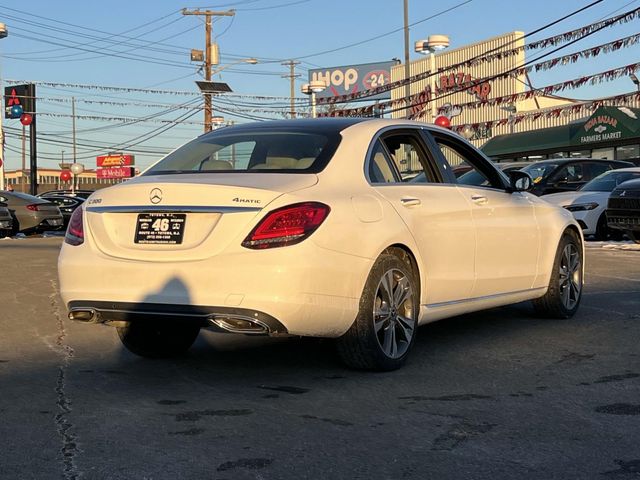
520 181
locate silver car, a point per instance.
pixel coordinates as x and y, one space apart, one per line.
6 221
31 214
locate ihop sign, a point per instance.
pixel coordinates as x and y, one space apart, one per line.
351 79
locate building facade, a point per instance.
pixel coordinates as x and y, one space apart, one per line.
464 94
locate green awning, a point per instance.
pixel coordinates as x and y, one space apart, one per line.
605 126
523 143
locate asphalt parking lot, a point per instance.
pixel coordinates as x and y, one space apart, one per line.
497 394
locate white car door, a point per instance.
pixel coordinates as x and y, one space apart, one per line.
435 213
507 233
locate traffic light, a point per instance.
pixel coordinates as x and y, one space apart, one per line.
17 100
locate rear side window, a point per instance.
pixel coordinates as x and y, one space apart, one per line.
260 151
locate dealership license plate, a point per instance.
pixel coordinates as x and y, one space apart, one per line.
160 228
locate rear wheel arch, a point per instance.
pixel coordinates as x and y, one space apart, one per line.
405 254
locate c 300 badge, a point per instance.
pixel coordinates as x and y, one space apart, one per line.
155 196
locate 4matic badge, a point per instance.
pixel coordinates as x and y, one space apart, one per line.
246 200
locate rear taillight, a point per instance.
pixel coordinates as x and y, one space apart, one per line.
75 229
33 207
287 225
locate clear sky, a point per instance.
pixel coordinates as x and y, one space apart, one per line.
146 44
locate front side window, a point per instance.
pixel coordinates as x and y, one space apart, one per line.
468 167
569 174
251 151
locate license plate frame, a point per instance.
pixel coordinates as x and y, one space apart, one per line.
160 228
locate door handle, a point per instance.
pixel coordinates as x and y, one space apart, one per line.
479 199
410 202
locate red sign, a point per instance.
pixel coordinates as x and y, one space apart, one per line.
115 172
114 160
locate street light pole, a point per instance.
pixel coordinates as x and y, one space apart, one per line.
407 68
311 89
430 46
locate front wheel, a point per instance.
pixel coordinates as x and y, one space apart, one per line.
565 286
602 230
158 339
385 328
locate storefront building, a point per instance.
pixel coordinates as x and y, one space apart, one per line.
475 96
49 179
612 133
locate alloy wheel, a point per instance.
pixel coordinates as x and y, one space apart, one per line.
394 318
570 277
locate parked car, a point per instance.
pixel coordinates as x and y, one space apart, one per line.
305 228
623 209
589 203
568 174
6 221
66 204
473 177
31 214
71 193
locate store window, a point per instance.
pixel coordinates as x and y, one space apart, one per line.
627 151
580 154
603 153
559 155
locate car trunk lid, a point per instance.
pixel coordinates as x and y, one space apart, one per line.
182 217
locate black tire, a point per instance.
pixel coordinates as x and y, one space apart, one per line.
602 230
378 341
158 339
634 235
616 234
565 286
15 228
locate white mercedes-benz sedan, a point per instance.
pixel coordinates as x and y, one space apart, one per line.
311 228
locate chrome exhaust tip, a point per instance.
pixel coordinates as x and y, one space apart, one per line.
86 315
239 324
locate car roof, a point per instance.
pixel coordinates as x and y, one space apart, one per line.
561 161
625 169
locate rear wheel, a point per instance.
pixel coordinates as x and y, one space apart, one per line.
634 235
384 330
565 286
158 339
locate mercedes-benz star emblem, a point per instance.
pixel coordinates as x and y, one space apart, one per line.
155 195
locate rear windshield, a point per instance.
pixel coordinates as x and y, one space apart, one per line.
254 152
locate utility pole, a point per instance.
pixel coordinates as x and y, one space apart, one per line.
292 77
407 74
208 60
73 125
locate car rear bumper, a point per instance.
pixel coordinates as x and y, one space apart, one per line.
309 291
223 319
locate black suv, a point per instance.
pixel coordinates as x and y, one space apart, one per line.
567 174
623 209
